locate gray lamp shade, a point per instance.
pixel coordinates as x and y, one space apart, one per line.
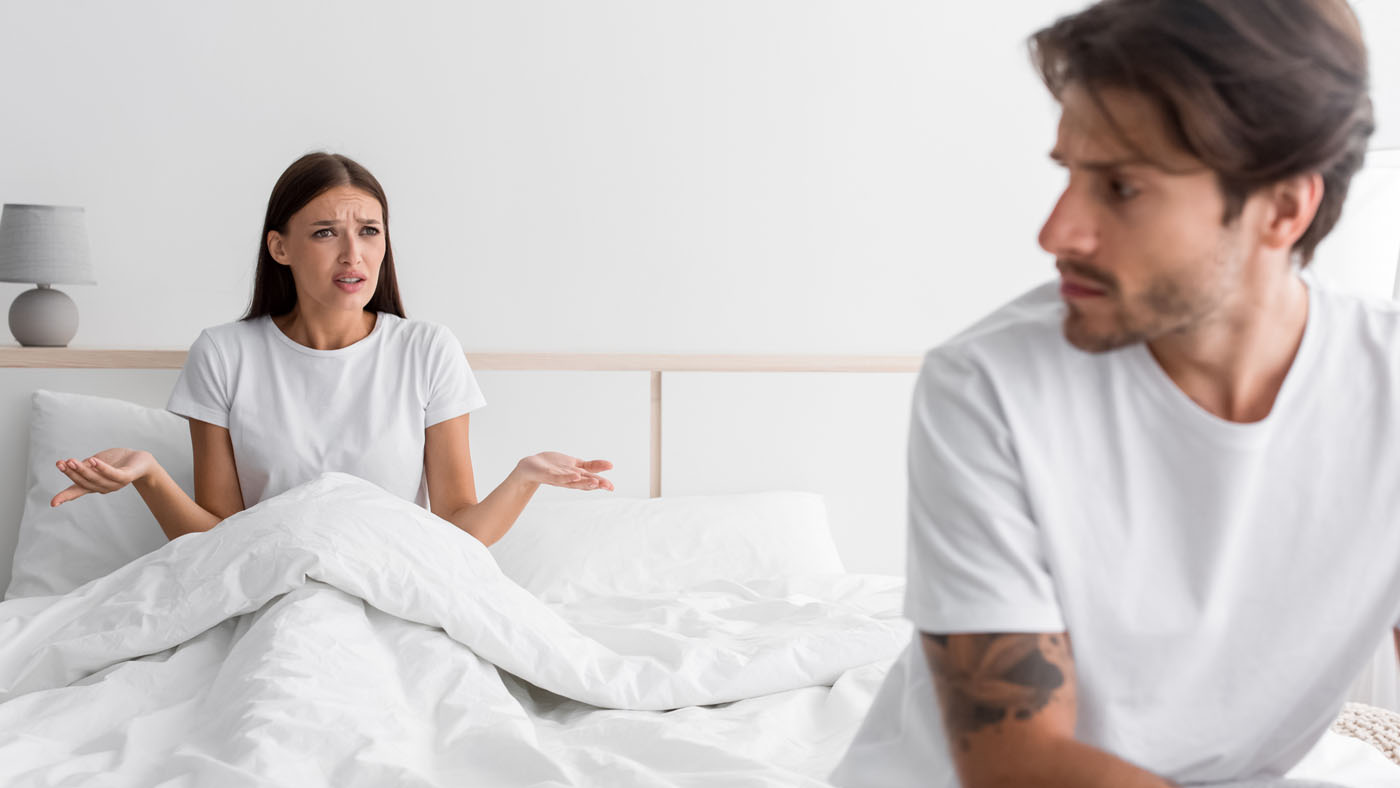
44 244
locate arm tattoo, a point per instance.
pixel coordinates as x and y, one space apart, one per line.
981 679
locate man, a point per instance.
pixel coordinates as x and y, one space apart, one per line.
1154 510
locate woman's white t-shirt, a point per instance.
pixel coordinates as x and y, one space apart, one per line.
294 412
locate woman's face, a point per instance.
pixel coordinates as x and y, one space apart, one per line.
334 246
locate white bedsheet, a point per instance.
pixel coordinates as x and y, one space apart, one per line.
338 636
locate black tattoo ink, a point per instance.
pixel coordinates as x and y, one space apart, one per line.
981 679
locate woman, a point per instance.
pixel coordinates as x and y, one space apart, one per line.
324 373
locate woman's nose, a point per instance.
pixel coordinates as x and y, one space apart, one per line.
350 250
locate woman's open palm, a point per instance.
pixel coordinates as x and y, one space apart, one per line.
106 471
561 470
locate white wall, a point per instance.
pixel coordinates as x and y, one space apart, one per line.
611 175
1380 20
838 434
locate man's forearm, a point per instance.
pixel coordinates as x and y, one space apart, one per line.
1009 711
1067 763
174 510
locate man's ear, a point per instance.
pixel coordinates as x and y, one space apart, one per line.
277 247
1292 205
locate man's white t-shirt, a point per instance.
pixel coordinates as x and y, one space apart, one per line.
294 412
1222 583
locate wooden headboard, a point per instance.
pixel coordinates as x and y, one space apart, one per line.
678 424
655 365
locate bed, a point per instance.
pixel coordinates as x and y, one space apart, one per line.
337 636
728 646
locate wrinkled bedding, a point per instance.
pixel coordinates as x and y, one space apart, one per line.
336 635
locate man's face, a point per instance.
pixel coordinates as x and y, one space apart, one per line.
1139 244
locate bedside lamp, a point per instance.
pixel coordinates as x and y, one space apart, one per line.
44 245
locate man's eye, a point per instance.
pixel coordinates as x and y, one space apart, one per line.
324 232
1121 191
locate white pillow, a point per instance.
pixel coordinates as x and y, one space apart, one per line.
559 550
564 550
63 548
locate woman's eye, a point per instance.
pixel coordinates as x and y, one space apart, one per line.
324 232
370 230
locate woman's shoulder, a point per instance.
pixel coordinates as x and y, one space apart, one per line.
428 346
237 329
227 337
416 333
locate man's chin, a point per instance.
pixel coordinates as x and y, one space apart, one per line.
1096 340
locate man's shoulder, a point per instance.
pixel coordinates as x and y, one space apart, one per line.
1357 335
1354 313
1024 333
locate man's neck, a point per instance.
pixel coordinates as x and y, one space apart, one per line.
1234 362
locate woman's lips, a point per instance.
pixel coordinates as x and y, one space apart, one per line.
350 287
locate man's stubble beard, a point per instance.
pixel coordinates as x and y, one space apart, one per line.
1165 307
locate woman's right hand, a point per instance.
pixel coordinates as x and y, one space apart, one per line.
104 472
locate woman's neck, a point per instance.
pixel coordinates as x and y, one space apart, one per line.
325 331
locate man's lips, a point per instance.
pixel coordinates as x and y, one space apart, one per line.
1070 288
1074 283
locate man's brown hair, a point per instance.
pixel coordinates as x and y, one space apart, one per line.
1258 90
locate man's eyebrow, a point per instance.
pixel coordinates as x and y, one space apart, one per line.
1104 165
333 222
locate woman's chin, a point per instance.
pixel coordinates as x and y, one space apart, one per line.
353 302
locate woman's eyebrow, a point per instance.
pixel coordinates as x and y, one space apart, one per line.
333 222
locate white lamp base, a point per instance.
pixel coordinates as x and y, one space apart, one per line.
43 317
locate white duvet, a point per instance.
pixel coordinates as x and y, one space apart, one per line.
336 635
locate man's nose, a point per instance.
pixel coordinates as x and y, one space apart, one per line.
1070 230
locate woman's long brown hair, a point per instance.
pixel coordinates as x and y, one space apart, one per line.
274 291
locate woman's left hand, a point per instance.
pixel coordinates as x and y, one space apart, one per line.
561 470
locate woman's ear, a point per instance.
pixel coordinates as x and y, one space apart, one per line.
277 247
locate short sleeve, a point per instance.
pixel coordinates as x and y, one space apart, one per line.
452 388
202 390
976 561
